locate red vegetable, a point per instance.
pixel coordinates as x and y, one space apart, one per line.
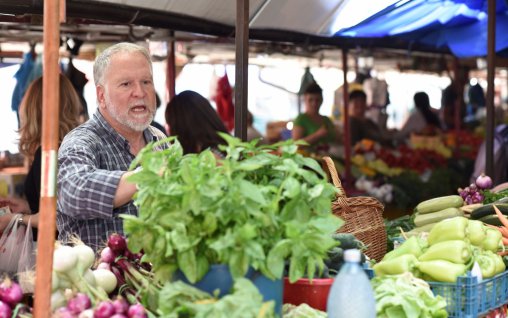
121 305
10 292
5 310
117 243
104 309
484 182
107 255
136 311
79 303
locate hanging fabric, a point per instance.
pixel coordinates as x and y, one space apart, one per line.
224 102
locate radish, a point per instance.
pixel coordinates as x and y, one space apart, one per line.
86 314
105 279
119 316
136 311
5 310
86 257
117 243
65 259
107 255
79 303
104 309
10 292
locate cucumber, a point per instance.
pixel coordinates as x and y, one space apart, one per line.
434 217
440 203
488 209
491 220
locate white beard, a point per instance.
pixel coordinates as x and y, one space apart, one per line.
123 118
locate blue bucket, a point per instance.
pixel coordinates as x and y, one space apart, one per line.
219 278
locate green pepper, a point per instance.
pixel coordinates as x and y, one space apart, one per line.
395 266
500 266
413 245
476 232
492 240
449 229
487 265
455 251
442 271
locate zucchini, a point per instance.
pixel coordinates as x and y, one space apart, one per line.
434 217
491 220
488 209
421 229
440 203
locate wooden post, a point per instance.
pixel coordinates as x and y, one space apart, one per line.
347 130
49 143
171 68
241 68
491 68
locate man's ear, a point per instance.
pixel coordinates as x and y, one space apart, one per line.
101 95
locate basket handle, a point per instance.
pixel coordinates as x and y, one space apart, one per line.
332 171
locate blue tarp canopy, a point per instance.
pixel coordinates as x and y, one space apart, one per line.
459 25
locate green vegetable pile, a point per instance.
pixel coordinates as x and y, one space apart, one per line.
253 208
301 311
406 296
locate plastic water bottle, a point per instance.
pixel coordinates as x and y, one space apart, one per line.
351 295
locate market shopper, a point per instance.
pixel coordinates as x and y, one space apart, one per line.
422 119
312 127
94 158
194 122
26 209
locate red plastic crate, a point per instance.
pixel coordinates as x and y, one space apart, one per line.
314 294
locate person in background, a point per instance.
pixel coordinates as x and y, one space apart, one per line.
310 126
252 132
26 209
154 123
422 120
93 187
360 126
191 118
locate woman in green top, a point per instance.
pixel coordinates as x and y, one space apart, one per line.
315 129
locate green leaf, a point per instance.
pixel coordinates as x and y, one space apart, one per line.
316 191
238 263
292 187
251 191
188 265
296 268
276 256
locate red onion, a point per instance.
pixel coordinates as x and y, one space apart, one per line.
117 243
121 305
104 309
118 316
79 303
63 312
107 255
136 311
10 292
105 266
5 310
484 182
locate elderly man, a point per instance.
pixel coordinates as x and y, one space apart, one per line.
94 158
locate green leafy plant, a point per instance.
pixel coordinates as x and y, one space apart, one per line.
254 208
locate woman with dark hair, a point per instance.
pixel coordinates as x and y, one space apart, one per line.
422 120
193 120
315 129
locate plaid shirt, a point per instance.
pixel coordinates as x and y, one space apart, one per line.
92 158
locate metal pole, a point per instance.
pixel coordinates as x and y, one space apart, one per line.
49 143
347 130
491 68
241 67
171 68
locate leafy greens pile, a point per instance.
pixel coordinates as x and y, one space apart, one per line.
259 206
406 296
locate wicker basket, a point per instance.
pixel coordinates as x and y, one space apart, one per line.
363 216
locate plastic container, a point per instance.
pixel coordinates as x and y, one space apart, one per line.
351 294
219 278
314 293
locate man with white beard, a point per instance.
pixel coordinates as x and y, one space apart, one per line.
94 158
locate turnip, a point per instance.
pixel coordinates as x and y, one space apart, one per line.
121 305
117 243
5 310
483 182
10 292
107 255
86 257
104 309
79 303
136 311
65 259
105 279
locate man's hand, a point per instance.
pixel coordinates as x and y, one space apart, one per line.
17 205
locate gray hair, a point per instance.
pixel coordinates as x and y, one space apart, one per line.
104 59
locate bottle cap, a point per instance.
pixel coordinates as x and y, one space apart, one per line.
352 255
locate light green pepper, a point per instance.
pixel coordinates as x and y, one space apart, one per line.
492 240
487 265
413 245
447 230
476 232
454 251
442 271
395 266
